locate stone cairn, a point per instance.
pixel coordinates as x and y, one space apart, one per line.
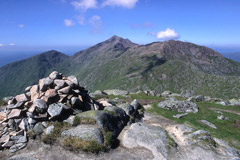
53 98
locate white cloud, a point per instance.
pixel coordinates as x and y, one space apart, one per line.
81 20
1 45
69 23
21 25
94 19
84 4
168 34
122 3
96 23
11 44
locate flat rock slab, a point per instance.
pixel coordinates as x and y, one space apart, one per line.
17 147
179 106
21 98
178 116
85 132
14 113
147 136
22 158
208 124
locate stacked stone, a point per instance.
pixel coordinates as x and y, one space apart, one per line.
53 98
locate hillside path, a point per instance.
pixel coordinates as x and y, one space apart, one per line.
225 110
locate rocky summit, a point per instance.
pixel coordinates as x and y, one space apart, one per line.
59 119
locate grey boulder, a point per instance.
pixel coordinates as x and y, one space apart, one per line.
54 110
55 75
38 128
49 130
40 104
45 83
116 92
86 133
179 106
106 120
147 136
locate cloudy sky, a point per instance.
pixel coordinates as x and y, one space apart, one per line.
75 23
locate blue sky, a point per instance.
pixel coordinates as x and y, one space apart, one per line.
76 24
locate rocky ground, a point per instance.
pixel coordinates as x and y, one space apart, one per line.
145 140
67 123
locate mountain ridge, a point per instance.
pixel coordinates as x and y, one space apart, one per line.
120 63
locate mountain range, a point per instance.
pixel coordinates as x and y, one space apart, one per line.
118 63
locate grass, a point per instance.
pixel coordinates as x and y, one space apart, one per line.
225 129
171 141
76 144
108 138
31 134
73 143
1 102
53 136
112 113
214 105
83 120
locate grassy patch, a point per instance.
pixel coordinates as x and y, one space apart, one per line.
180 98
83 120
108 138
146 97
76 144
214 105
131 97
225 129
31 134
171 141
52 137
112 113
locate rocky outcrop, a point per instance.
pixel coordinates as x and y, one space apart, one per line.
116 92
179 106
148 136
113 121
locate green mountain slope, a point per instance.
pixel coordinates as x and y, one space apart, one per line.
118 63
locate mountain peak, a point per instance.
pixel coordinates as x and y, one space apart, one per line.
117 42
115 37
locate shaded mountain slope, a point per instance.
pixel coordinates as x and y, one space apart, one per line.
119 63
14 77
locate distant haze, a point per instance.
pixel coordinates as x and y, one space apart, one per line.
10 56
